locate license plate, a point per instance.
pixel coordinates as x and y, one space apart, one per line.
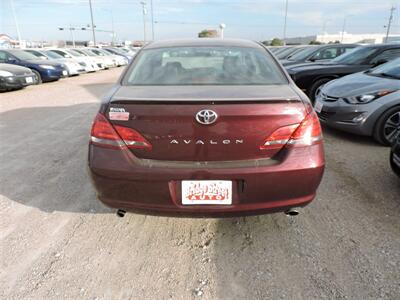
65 73
318 106
29 79
213 192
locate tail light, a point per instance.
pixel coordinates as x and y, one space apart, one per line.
306 133
106 135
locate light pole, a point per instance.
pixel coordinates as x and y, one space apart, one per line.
112 24
152 20
222 27
144 11
91 17
344 26
343 29
389 23
285 23
73 36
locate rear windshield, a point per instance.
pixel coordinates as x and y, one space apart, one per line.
205 66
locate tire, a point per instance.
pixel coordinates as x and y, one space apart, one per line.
387 127
38 77
314 88
395 168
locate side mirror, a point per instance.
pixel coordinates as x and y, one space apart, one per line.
11 60
380 62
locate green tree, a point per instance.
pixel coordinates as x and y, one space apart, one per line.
315 43
207 33
276 42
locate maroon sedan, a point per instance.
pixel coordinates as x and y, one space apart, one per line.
206 127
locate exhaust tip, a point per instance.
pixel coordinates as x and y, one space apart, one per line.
292 212
121 213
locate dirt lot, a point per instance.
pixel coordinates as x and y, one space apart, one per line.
57 241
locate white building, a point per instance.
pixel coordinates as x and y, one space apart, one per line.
345 38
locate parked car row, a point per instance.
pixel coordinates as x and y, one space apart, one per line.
19 68
358 91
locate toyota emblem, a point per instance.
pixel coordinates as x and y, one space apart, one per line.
206 117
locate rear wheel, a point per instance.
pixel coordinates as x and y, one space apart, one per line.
38 78
315 87
387 128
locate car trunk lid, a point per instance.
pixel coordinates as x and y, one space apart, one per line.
166 118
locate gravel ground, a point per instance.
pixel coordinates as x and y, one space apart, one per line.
57 241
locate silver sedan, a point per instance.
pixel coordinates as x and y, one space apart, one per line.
366 103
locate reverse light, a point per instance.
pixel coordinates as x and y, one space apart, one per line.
308 132
106 135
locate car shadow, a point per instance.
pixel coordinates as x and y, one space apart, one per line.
98 89
349 137
43 155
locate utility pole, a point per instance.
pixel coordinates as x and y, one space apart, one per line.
389 23
284 25
343 29
222 27
72 29
112 24
91 16
152 20
144 11
16 23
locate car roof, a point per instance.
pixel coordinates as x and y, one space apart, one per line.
211 42
385 46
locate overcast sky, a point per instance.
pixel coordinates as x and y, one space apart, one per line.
260 20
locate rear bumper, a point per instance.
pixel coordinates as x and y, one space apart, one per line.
122 183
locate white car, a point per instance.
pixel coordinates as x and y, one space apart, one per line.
97 59
128 51
90 61
108 61
82 60
118 59
72 66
